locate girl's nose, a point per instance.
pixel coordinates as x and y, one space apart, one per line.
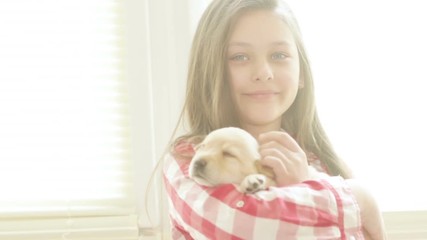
263 71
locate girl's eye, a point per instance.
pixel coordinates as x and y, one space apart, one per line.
239 57
278 56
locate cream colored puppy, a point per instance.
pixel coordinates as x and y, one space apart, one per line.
230 155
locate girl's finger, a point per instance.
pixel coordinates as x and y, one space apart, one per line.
277 146
279 169
276 153
282 138
272 162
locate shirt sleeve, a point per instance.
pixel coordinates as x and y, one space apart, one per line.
321 209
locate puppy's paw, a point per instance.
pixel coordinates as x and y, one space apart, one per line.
253 183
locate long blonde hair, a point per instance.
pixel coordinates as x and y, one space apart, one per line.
208 105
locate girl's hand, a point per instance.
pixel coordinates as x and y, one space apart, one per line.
282 153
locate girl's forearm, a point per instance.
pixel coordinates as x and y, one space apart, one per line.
372 221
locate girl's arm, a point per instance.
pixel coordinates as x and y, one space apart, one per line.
372 221
312 209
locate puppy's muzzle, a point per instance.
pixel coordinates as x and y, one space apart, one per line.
200 165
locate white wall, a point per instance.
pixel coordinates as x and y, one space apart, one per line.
368 61
158 37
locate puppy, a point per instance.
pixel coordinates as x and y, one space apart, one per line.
230 155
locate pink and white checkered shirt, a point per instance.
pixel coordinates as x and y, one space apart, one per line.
323 209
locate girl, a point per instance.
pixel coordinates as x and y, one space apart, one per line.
249 69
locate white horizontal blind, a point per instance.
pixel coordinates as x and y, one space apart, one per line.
65 168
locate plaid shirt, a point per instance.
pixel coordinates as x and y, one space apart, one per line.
321 209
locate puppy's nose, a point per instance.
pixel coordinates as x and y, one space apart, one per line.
200 164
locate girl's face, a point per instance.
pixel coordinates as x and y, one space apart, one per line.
263 69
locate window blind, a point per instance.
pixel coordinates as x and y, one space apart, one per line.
65 170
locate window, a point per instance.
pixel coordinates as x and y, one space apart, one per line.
65 165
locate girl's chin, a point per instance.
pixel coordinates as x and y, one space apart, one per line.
264 121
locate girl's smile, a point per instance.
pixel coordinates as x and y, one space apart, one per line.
262 94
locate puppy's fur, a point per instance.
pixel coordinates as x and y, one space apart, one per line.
230 155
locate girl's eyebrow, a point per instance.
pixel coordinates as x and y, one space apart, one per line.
246 44
281 43
240 44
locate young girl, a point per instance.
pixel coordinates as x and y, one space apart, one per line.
249 69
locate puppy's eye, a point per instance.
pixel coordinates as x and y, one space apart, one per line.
228 154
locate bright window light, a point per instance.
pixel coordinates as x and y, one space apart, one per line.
368 61
63 121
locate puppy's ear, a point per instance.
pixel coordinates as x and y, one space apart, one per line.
267 171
